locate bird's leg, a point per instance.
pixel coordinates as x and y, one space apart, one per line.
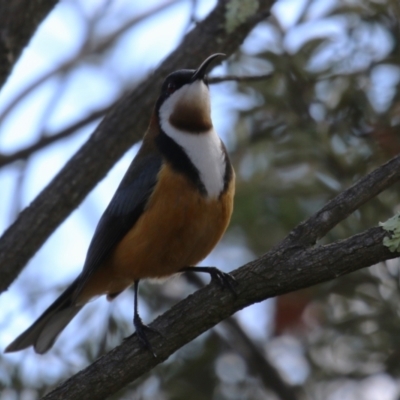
139 325
221 278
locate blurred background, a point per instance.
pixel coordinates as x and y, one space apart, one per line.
327 113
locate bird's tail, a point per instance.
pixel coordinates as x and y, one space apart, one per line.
45 330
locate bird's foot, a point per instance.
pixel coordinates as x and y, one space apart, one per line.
140 332
221 278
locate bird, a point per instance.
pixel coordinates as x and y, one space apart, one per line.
171 208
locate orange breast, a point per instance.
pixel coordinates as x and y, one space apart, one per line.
178 228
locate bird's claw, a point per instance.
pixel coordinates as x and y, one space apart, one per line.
223 279
140 332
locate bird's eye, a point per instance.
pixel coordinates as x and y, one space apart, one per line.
171 88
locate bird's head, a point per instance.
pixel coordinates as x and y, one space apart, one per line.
184 103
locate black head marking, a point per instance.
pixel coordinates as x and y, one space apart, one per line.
183 77
172 83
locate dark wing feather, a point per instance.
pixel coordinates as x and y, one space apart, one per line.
123 211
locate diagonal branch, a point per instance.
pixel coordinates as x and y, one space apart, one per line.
339 208
258 362
120 129
255 358
273 274
286 268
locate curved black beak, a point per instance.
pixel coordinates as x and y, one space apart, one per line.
201 71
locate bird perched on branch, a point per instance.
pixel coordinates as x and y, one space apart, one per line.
170 210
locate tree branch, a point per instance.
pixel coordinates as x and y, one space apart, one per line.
255 357
339 208
86 49
273 274
238 78
19 20
48 139
122 126
258 362
287 267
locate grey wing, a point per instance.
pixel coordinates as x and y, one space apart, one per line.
123 211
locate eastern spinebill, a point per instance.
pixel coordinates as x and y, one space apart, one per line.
170 210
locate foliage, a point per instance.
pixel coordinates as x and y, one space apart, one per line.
327 116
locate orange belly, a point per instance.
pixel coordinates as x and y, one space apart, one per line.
179 228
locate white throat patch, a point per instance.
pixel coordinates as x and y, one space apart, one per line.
205 152
203 149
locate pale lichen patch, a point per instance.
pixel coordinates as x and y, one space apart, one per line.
237 12
392 225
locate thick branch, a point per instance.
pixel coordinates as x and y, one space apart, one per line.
273 274
19 20
121 127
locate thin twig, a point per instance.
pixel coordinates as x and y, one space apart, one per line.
16 204
106 42
238 78
87 48
48 139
